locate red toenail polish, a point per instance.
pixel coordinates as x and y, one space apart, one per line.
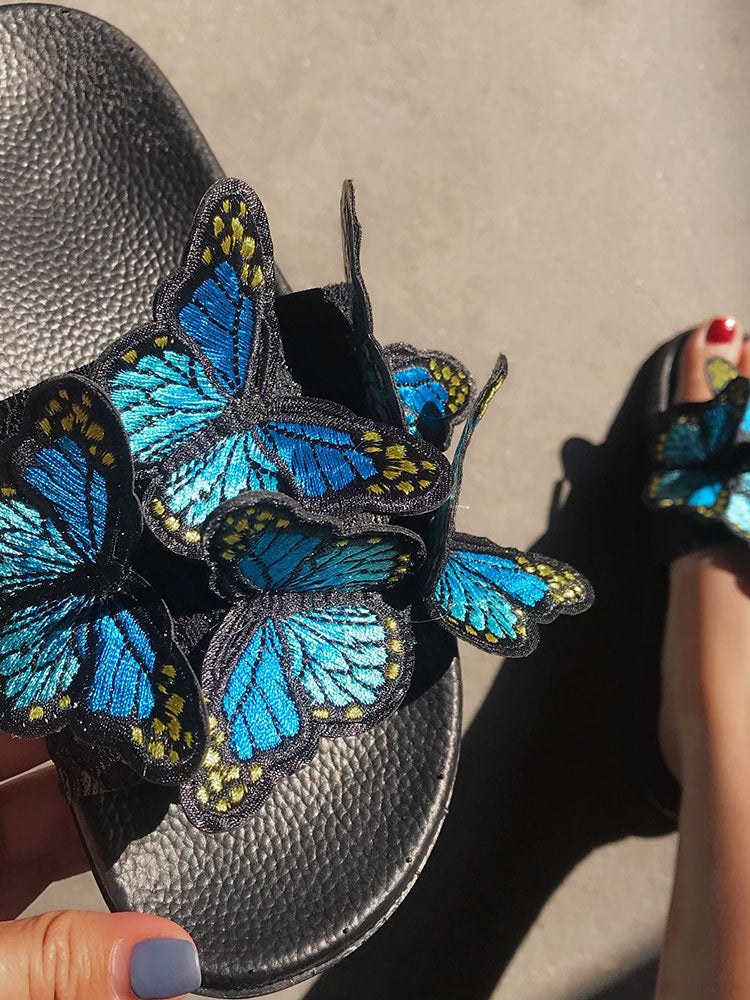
721 330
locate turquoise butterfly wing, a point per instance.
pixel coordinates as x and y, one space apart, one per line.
493 597
695 433
36 548
333 459
311 450
736 513
37 675
189 487
215 337
496 598
196 393
435 389
278 676
220 318
266 542
317 652
698 488
706 492
163 392
83 642
700 454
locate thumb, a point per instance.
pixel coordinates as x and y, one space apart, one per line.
96 956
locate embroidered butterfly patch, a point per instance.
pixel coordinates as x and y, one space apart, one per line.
310 647
198 395
84 642
494 597
435 390
702 453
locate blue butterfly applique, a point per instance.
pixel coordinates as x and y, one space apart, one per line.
310 648
702 453
494 597
84 642
198 395
435 389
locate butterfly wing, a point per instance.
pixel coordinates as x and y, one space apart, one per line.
353 657
267 542
70 520
163 391
698 488
33 550
39 661
704 492
257 730
736 512
223 301
496 598
110 671
277 676
435 391
215 335
57 518
329 459
693 433
190 485
313 450
493 597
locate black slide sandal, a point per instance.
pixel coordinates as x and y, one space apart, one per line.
99 135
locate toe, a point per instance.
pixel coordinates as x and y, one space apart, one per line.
719 337
744 362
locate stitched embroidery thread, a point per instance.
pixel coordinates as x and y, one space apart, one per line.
196 391
494 597
84 642
310 647
702 454
285 498
435 390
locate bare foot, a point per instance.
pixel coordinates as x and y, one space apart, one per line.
706 651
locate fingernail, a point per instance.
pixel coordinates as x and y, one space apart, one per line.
721 330
162 968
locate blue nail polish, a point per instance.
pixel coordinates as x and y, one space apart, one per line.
162 968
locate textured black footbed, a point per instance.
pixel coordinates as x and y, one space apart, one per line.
102 169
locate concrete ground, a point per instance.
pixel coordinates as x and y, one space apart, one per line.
565 180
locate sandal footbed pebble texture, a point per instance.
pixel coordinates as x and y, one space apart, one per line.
102 172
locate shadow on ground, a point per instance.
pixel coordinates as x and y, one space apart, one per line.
543 777
638 984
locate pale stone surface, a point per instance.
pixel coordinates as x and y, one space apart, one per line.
565 181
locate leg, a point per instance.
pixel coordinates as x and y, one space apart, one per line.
705 735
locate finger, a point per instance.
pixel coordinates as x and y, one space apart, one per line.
17 755
39 842
744 362
96 956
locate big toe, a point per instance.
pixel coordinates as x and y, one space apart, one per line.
720 337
